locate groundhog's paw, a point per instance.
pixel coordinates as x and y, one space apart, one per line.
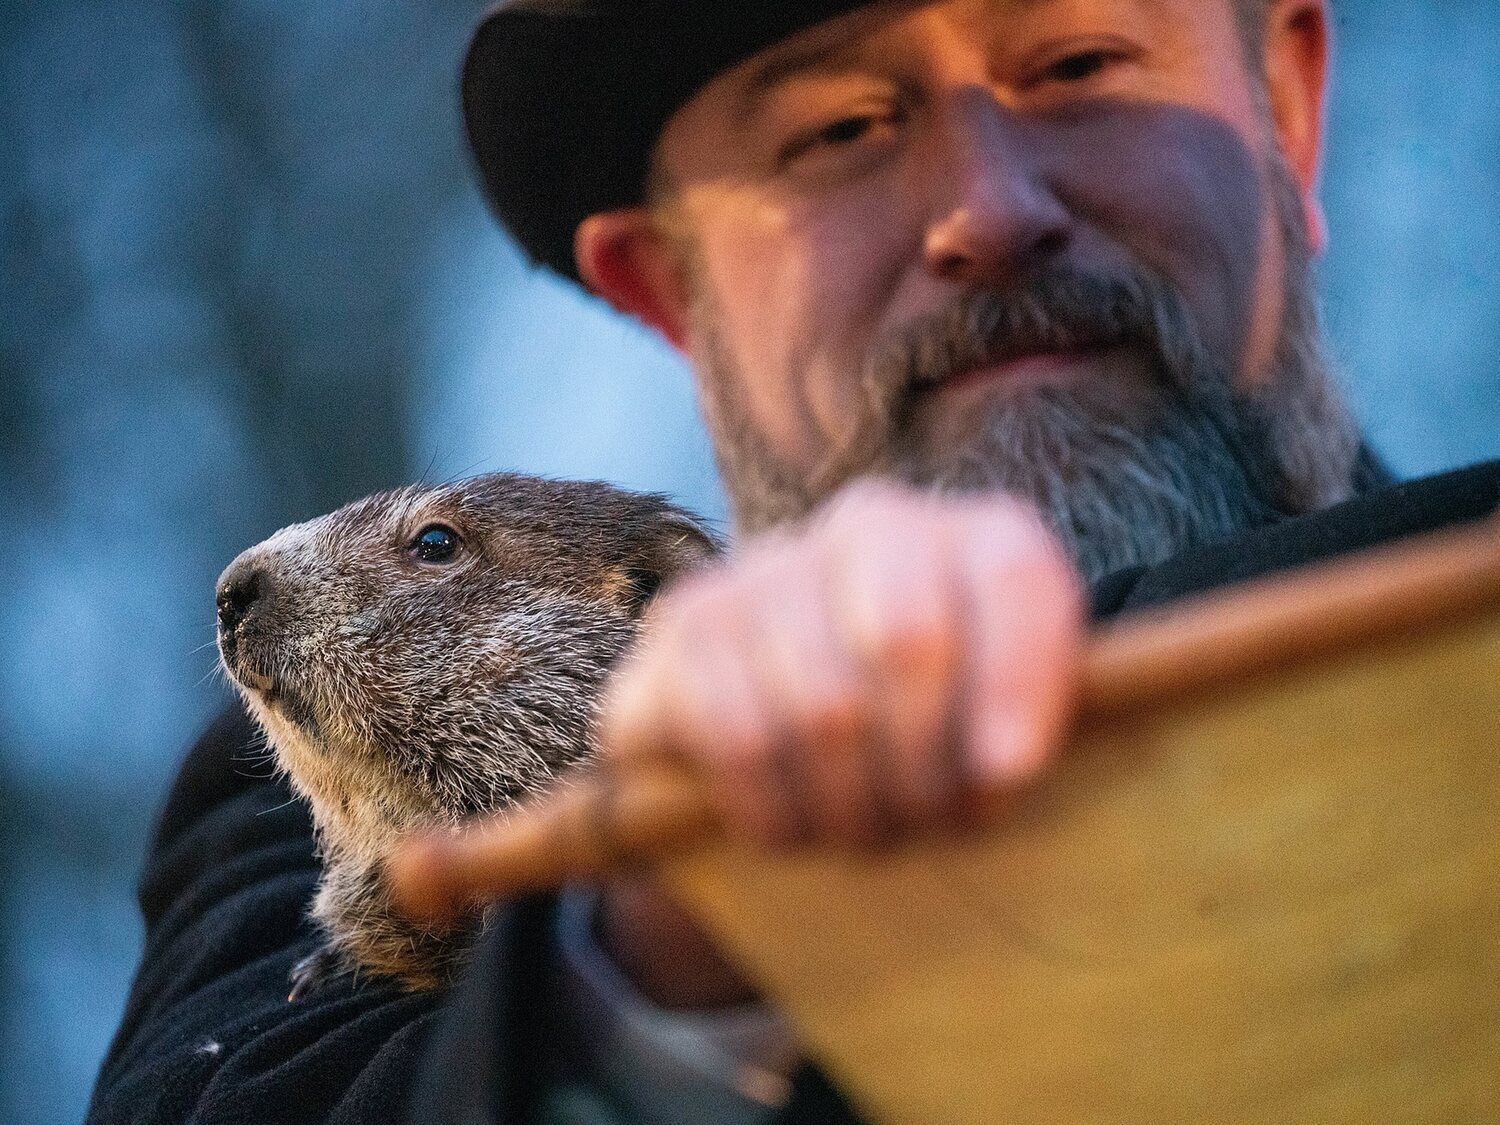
315 970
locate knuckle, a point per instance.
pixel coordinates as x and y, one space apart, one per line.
868 499
1030 566
761 558
1005 523
692 598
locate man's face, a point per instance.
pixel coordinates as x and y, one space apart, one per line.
1044 245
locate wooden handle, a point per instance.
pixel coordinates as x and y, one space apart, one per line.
607 820
614 818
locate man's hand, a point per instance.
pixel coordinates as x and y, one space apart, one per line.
867 677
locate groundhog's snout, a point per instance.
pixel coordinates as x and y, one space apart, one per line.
245 597
242 587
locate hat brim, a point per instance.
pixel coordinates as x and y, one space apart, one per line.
563 101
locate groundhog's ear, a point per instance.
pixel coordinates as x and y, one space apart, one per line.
675 542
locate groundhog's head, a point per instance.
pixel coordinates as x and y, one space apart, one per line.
436 651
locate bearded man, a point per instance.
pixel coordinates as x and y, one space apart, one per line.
1000 310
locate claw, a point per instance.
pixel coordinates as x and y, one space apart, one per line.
314 971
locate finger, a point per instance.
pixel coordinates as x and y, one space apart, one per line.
1025 621
725 722
686 694
823 703
898 617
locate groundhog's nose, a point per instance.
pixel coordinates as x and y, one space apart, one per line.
240 587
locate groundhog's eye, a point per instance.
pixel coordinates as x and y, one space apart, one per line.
436 544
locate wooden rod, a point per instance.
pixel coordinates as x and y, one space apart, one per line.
610 819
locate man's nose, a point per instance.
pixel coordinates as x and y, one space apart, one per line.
995 215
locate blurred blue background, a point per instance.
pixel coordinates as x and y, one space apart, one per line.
246 279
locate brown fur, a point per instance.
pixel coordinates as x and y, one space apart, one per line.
400 694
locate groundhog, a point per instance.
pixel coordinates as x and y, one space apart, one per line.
431 653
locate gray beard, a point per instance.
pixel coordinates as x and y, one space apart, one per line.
1117 491
1124 476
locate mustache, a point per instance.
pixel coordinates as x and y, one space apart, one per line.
1053 311
1065 309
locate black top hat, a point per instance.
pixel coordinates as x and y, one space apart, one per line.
564 99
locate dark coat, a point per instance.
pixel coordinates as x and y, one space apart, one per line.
208 1035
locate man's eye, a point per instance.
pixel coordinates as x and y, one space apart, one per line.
846 131
856 132
1077 68
436 543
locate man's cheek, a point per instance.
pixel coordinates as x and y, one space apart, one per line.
858 253
751 334
846 294
1183 192
809 302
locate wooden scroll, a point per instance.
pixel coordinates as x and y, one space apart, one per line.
1263 886
1278 905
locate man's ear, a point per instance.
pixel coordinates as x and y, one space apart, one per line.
1296 67
624 257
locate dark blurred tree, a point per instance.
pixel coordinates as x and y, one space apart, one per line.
215 229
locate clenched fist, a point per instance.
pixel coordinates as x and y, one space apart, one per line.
864 676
